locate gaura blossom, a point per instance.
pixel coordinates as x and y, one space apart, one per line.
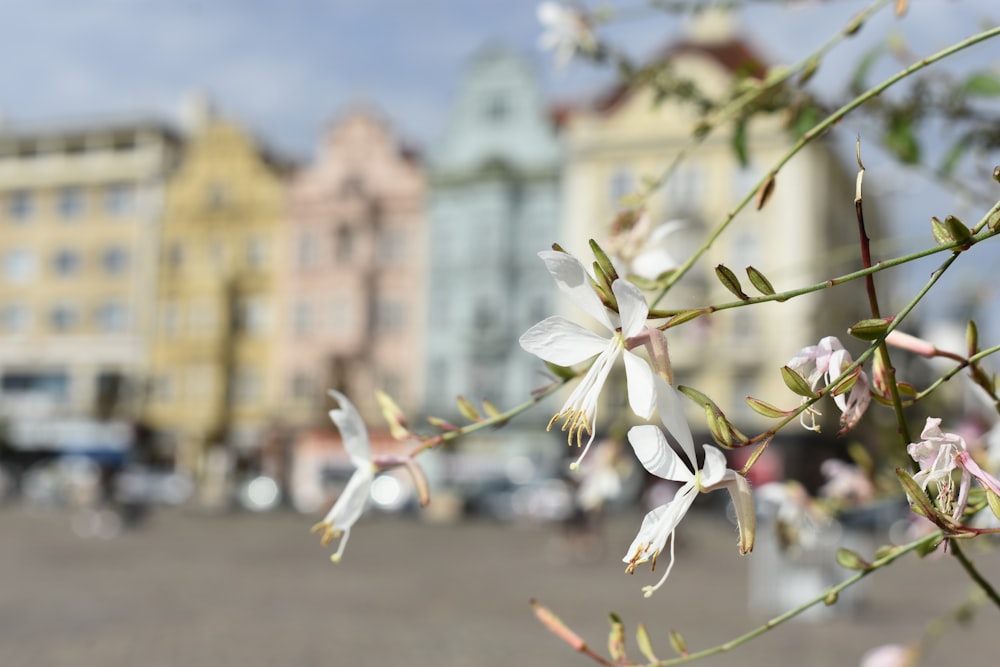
659 458
559 341
827 361
566 32
351 503
890 655
938 454
642 248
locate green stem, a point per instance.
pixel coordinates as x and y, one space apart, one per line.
973 573
816 131
982 354
828 594
430 442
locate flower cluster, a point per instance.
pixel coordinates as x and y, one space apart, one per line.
827 361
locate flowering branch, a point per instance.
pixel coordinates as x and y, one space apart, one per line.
974 574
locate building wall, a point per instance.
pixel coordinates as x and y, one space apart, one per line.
354 303
79 223
493 205
214 361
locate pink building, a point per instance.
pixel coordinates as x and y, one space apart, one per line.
355 285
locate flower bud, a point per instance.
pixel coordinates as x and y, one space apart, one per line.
870 329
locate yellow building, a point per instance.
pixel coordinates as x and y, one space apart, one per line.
627 137
79 212
214 358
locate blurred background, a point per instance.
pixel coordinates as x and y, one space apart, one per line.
209 215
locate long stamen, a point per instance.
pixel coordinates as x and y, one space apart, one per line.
647 591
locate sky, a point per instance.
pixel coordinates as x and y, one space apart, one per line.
286 69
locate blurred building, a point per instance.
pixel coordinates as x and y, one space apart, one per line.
214 358
494 203
80 207
354 297
806 233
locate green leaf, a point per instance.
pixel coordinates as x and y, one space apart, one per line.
809 70
941 234
730 281
645 646
851 560
902 141
739 142
957 228
760 281
955 153
984 84
860 77
678 644
616 640
797 383
870 329
805 120
994 502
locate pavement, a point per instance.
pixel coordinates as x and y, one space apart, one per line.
242 590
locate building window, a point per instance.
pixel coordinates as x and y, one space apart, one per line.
66 263
256 252
302 319
246 386
302 386
340 316
217 196
621 184
114 260
14 318
308 252
202 317
497 108
388 316
345 243
52 384
250 315
18 265
111 317
392 246
175 255
64 317
119 199
70 203
20 205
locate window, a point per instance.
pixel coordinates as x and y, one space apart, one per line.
18 265
245 386
256 252
70 203
340 316
66 263
14 318
308 252
303 319
496 108
250 315
114 260
344 243
64 317
119 199
388 316
392 246
202 317
302 386
20 205
622 183
54 384
111 317
217 196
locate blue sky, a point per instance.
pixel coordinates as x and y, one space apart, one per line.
284 69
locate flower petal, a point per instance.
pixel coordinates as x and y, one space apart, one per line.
574 281
639 380
714 469
668 402
351 503
632 307
746 516
352 430
658 524
562 342
656 455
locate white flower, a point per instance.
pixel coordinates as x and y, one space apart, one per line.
566 31
828 360
351 503
559 341
660 459
643 249
890 655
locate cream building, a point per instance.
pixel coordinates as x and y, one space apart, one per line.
805 234
80 207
